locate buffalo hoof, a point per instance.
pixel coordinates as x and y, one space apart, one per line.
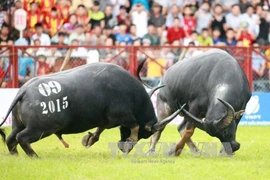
151 152
86 140
126 147
224 153
171 151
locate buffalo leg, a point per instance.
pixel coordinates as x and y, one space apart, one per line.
132 139
90 139
26 137
62 140
189 142
163 111
12 142
188 132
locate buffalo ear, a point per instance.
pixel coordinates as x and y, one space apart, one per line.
239 114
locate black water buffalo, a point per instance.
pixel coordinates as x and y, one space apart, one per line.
215 88
98 95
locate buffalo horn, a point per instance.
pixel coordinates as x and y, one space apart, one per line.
227 118
151 92
160 125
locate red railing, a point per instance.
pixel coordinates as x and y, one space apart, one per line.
126 56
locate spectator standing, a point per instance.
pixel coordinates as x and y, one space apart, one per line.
173 13
156 17
152 35
43 37
205 39
219 20
176 32
203 16
139 17
189 21
96 16
233 19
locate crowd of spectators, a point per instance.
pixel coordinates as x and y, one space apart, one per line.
134 22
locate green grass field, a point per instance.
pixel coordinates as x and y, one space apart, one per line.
252 161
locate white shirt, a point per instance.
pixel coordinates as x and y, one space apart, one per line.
79 52
116 6
140 21
92 56
233 21
44 39
252 22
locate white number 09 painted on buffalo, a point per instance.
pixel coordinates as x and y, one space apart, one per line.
52 87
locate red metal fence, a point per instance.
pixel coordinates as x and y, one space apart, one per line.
20 63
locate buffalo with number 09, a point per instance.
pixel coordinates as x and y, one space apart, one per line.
215 90
99 95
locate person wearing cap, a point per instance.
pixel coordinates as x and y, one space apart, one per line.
245 35
96 16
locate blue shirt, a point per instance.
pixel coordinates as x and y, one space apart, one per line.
233 43
123 38
25 62
257 61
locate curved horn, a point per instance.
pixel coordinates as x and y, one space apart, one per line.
227 118
151 92
160 125
196 121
